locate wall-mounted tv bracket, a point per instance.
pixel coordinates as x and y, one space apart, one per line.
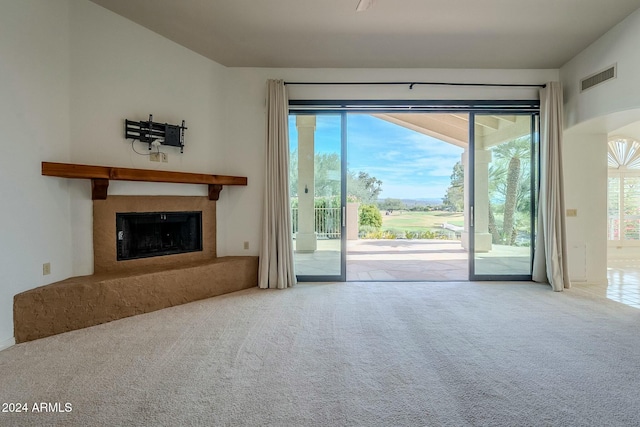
151 131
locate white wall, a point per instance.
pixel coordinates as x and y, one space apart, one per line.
34 123
585 173
70 73
120 70
245 120
619 45
589 117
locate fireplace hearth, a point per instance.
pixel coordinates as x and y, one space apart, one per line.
150 234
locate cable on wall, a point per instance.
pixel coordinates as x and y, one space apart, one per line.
153 144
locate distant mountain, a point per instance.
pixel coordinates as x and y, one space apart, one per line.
421 202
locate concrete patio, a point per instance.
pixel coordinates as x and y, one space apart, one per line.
400 260
406 260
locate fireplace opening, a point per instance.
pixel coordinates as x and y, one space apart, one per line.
150 234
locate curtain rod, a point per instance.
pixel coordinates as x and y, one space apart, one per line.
412 84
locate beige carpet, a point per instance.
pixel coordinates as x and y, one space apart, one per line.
354 354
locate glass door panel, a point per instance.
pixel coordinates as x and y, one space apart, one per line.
317 195
504 152
631 203
613 207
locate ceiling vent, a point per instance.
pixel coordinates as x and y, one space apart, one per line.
598 78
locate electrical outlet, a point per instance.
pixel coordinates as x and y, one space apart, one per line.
165 157
246 245
572 212
154 157
46 268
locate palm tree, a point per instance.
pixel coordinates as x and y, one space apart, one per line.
510 183
511 196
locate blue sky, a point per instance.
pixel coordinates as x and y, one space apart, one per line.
409 164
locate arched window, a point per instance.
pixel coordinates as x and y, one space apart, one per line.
623 193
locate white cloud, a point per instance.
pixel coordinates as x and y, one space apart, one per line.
410 164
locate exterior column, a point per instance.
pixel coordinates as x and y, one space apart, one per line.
482 236
464 159
306 238
352 221
483 239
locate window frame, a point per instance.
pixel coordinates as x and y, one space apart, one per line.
622 173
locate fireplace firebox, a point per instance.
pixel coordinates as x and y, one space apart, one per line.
150 234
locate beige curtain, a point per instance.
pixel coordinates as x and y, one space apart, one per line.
550 258
276 254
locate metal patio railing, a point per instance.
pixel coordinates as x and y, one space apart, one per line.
327 222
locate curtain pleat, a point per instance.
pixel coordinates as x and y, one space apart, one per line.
276 269
550 257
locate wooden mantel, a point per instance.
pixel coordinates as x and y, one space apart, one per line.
100 176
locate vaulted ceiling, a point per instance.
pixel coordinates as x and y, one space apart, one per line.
391 33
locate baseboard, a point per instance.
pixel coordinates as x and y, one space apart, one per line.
4 344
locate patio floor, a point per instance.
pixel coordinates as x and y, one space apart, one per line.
406 260
425 260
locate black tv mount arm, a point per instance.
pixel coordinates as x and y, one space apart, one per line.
150 132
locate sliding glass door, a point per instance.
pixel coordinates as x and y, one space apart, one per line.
498 180
503 156
318 198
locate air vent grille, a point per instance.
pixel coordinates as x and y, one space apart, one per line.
598 78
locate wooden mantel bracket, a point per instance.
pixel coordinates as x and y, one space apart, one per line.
99 187
100 176
214 191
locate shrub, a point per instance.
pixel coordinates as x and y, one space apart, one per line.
365 230
378 234
398 234
370 216
425 234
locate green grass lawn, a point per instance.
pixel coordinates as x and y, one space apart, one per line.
417 221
